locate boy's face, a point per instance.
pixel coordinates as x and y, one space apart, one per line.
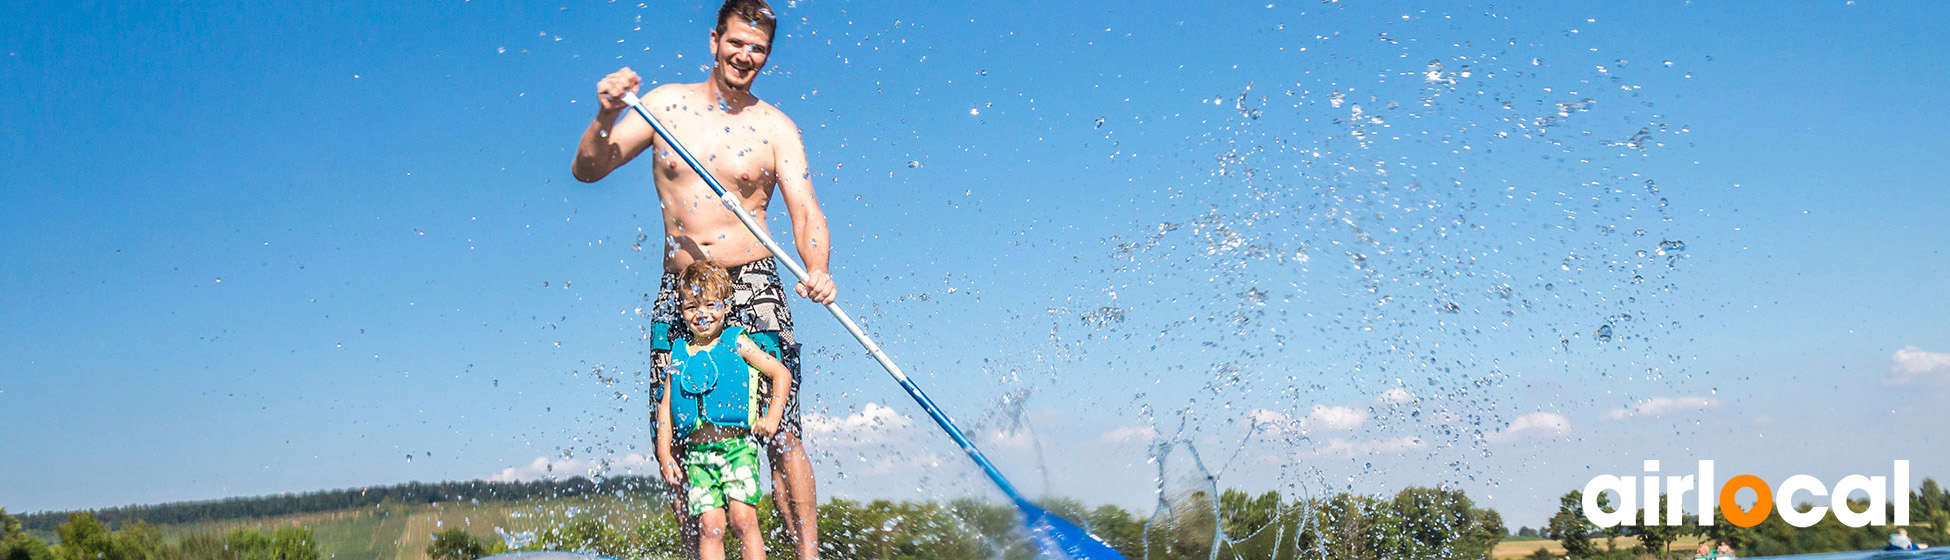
705 318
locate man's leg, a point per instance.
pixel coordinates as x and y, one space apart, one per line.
760 298
665 327
687 529
794 492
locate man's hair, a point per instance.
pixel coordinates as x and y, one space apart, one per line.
757 13
704 282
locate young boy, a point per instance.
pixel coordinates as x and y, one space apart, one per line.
711 409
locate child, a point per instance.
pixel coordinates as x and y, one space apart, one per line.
710 410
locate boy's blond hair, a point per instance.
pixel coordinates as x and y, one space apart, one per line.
704 282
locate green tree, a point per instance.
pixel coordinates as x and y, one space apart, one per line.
1656 538
283 543
84 538
1241 514
1570 528
17 544
1444 523
1184 530
1940 527
1930 498
1117 527
9 525
1742 539
1526 531
1351 527
138 540
1613 532
202 546
456 544
1489 531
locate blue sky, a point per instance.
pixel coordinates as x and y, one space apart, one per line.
253 250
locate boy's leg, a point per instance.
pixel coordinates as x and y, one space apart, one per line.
744 522
710 540
706 473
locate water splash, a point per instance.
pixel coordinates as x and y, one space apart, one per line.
1354 281
1240 105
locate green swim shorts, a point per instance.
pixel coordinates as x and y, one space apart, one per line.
721 471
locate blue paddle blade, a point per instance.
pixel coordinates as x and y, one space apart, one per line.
1061 540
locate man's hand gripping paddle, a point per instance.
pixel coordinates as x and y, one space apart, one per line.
1057 538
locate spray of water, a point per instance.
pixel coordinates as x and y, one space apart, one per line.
1357 283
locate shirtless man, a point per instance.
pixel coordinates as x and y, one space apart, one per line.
750 147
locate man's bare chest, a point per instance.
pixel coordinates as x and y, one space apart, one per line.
736 150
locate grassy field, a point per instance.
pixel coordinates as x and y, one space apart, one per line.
402 532
1511 548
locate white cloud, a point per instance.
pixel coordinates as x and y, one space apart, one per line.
1536 423
1911 365
1131 434
1267 419
1348 449
872 425
1659 406
1336 418
546 468
1396 395
1322 419
1010 439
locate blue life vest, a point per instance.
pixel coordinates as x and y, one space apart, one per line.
713 385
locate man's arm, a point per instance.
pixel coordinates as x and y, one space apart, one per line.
808 222
608 144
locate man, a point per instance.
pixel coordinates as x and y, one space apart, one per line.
751 148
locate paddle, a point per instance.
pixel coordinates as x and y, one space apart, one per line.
1054 536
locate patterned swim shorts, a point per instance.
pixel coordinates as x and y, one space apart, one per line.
720 472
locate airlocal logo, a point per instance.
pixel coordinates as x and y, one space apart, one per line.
1769 499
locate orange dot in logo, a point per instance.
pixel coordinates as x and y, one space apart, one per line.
1763 505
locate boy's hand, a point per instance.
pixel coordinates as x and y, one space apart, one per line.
766 427
673 475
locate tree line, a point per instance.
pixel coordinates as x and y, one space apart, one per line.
1431 523
258 507
1929 504
83 537
1423 523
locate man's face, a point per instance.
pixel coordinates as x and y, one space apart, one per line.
740 52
